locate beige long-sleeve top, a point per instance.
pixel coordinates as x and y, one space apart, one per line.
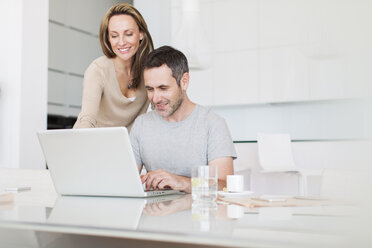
103 104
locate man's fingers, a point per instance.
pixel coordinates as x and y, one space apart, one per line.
149 179
164 184
154 179
155 182
143 178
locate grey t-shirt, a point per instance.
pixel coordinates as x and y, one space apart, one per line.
177 146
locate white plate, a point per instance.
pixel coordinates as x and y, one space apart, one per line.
234 194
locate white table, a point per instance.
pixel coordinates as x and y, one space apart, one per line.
40 218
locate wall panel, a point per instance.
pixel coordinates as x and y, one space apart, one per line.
73 45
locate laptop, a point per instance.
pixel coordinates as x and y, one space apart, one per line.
93 162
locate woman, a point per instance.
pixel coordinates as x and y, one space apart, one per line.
113 88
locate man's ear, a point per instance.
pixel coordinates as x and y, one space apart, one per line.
185 81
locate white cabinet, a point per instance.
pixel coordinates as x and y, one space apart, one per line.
81 49
73 45
80 14
283 75
309 48
234 25
235 59
57 47
274 51
73 91
57 11
86 15
235 78
56 88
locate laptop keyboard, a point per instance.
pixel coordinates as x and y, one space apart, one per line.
156 191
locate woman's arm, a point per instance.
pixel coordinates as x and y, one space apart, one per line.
92 93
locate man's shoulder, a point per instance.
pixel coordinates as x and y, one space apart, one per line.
146 117
208 114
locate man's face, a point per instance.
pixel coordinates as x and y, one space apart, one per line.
163 90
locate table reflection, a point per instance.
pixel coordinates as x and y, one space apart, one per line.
164 208
97 212
178 217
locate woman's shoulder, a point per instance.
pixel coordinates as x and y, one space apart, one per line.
102 64
102 61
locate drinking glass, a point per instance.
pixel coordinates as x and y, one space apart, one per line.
204 181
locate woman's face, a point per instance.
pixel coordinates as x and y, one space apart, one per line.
124 36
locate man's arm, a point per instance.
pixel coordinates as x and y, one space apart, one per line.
225 167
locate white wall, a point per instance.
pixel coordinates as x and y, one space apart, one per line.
318 120
280 65
157 15
23 81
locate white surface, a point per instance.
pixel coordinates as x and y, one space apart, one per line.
119 213
234 194
275 152
97 216
42 190
179 221
23 81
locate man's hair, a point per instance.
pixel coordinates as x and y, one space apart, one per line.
174 59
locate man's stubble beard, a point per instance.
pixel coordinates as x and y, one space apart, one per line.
174 107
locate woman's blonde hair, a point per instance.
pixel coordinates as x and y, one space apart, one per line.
145 47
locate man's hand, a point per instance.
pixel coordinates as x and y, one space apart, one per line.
161 179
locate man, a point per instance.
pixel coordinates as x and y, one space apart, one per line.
178 134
